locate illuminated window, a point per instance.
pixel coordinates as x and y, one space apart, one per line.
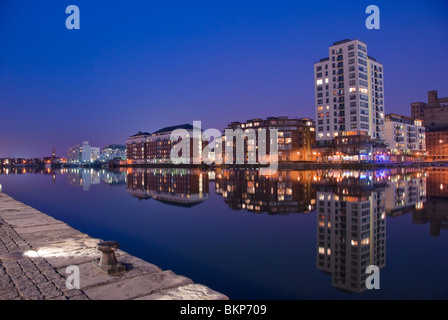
365 241
318 82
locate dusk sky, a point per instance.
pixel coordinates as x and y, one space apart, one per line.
144 65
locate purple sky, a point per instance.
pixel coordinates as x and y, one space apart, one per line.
144 65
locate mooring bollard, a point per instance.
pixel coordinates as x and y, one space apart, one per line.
108 262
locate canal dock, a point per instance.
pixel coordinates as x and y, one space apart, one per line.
39 253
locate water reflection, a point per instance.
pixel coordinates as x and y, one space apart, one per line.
85 177
282 193
184 187
405 192
351 226
434 211
352 209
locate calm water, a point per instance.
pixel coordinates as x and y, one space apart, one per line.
294 235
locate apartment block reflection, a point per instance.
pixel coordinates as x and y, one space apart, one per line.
183 187
351 226
83 177
434 210
405 192
282 193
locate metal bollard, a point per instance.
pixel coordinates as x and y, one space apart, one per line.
108 263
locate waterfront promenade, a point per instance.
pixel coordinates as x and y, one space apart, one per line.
36 249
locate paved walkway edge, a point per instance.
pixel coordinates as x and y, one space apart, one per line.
36 252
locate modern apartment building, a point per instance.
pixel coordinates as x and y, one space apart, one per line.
349 96
296 137
155 148
113 152
82 153
405 135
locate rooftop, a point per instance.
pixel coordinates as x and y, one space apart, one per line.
140 133
170 129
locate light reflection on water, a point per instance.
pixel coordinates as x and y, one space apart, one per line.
317 231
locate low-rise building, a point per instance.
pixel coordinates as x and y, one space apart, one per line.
405 135
155 148
82 153
437 144
434 112
296 137
351 147
113 152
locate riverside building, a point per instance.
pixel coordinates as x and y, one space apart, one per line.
296 137
405 137
82 153
155 148
349 104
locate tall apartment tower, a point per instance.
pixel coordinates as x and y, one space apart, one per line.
349 92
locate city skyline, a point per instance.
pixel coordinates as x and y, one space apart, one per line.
155 66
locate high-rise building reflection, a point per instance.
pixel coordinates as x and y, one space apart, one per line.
351 225
184 187
281 193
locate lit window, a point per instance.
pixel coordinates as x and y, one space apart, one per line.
365 241
319 82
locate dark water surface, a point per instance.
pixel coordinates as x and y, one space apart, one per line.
293 235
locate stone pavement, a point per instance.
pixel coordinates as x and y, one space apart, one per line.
36 249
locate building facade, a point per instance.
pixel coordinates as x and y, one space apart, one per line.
435 115
437 144
155 148
405 135
82 153
349 96
434 112
296 137
113 152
